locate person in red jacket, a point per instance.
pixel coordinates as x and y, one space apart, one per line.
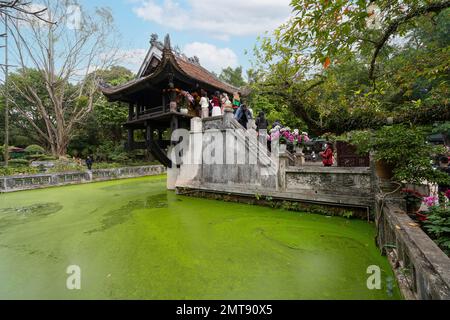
328 155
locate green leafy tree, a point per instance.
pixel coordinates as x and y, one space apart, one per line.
233 76
346 65
104 126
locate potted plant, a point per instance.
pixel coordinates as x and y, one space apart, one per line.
300 141
282 135
287 137
413 201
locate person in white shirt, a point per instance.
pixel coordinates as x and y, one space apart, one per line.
217 109
204 103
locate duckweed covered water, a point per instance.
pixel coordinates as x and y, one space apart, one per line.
134 240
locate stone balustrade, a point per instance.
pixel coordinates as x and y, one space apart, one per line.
37 181
422 269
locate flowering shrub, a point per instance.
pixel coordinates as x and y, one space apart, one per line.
437 221
431 201
285 135
438 226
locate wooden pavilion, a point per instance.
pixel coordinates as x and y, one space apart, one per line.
153 98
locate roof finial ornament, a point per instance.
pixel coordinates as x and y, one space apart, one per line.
167 42
153 38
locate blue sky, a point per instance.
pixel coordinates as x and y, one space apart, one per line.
219 32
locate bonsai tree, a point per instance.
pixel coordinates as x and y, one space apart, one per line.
35 152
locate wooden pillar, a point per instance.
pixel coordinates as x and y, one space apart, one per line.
174 124
136 111
130 139
164 102
149 131
130 111
172 95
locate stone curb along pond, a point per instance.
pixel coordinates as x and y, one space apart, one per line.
133 239
38 181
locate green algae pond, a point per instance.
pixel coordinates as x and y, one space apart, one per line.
131 239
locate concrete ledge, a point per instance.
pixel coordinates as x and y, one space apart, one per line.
277 199
252 190
419 263
329 170
40 181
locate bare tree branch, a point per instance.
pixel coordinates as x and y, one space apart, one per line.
393 27
67 61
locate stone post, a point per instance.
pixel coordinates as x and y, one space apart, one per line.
284 161
227 117
299 157
172 177
251 125
196 125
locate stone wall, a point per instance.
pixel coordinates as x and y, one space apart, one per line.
271 175
422 269
251 169
346 186
29 182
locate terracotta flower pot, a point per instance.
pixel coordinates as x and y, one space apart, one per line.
412 207
384 171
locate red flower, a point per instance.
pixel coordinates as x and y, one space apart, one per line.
421 217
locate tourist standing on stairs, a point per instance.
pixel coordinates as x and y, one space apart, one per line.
328 155
261 128
204 104
217 110
261 122
236 101
243 115
225 102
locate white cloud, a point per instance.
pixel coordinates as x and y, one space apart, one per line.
212 58
220 18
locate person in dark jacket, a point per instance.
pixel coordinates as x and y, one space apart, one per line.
243 115
261 122
89 163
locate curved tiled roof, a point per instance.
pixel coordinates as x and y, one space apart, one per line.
190 69
199 73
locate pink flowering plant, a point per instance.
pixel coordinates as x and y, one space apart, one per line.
282 134
437 223
274 134
431 201
287 136
301 139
